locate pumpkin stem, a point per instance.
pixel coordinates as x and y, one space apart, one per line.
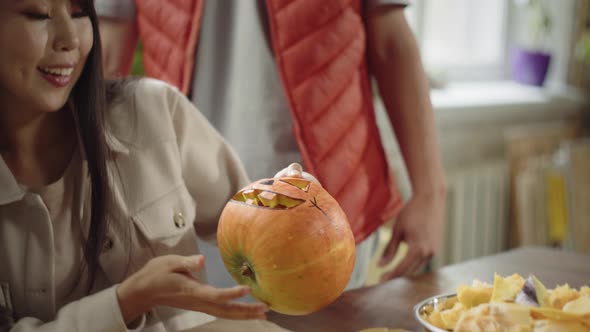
246 270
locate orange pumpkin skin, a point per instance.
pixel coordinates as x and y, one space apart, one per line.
297 259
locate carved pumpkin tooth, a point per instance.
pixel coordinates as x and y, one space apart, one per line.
252 201
249 194
269 199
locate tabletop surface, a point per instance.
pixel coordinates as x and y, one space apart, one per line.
390 304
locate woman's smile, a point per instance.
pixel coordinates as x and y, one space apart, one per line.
57 75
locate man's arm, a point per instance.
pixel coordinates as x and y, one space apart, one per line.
118 35
395 62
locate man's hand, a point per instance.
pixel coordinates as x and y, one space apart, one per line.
119 39
419 225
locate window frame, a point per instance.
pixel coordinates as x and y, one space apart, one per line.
495 71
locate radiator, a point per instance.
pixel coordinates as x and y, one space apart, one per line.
477 214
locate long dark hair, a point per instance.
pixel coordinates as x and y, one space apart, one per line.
89 103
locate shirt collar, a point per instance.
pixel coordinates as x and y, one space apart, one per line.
10 191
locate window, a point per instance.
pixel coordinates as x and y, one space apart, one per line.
462 39
466 40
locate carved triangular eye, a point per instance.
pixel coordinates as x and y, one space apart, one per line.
299 183
268 182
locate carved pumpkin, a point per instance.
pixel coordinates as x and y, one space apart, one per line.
290 241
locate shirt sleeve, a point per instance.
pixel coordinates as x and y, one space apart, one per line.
99 312
211 169
115 8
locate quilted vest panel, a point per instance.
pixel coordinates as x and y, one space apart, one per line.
320 50
169 32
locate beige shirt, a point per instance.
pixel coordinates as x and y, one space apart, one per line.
60 198
173 171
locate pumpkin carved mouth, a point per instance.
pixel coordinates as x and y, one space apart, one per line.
271 199
267 199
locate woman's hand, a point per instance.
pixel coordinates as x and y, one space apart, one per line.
295 170
168 281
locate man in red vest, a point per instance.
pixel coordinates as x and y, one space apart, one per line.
288 81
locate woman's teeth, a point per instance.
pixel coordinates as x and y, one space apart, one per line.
58 71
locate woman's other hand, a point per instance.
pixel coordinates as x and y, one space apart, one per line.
168 281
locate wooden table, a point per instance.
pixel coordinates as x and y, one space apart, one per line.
391 304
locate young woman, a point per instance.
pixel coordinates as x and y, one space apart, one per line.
101 185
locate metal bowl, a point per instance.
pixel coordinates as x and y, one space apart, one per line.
423 307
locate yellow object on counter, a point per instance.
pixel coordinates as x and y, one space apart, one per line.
498 307
557 211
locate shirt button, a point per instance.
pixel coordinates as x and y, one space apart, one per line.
178 220
108 244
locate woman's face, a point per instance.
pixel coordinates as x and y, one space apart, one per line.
44 45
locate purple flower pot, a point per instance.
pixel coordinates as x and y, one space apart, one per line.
529 67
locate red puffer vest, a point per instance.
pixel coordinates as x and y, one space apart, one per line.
320 51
